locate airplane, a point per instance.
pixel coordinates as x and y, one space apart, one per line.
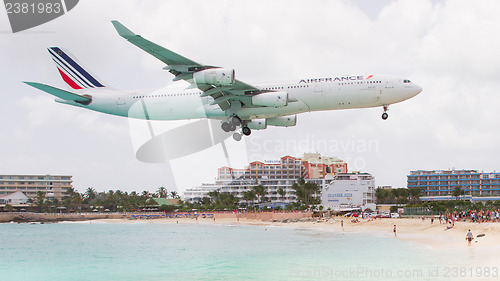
215 93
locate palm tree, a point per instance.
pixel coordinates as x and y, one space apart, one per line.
260 191
90 194
381 195
118 199
146 195
403 196
312 190
228 201
205 201
306 192
395 194
282 193
414 194
214 195
30 201
39 200
77 200
69 192
249 196
298 187
174 195
457 192
162 192
111 200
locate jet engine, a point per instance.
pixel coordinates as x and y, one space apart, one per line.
257 124
284 121
271 99
215 76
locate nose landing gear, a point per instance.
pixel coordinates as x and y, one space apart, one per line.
385 115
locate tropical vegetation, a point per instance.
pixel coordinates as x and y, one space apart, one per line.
91 200
306 192
397 195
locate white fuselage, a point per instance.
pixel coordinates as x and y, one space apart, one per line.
305 95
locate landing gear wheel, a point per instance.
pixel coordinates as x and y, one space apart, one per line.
226 127
385 115
232 127
235 120
246 131
237 136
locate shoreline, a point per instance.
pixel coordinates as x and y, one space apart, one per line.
435 236
414 230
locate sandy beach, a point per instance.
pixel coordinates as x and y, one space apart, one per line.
433 235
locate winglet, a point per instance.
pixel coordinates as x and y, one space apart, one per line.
122 30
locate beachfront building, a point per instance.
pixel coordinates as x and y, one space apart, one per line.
273 175
349 191
197 193
16 198
53 186
17 201
439 184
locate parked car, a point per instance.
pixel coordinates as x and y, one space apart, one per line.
383 215
395 215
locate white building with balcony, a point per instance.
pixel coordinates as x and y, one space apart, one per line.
349 190
273 175
52 186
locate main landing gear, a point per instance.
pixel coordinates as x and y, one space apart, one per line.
232 125
385 115
246 131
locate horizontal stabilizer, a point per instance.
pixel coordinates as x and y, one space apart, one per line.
62 94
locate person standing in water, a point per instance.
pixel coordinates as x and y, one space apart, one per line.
394 231
342 224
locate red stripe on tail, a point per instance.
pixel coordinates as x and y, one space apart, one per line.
69 81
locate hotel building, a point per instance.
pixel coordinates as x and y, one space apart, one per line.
439 183
53 186
273 175
350 190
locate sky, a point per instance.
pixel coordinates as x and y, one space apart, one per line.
449 48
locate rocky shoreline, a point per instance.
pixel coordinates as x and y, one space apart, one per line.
46 217
29 219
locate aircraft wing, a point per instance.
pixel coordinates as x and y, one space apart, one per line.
183 69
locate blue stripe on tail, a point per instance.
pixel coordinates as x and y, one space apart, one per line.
77 67
59 62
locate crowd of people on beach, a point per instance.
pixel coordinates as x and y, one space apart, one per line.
478 216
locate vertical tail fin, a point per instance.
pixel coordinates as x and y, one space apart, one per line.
71 71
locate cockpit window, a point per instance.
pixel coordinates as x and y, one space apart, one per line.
406 81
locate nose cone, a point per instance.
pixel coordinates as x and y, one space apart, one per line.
415 90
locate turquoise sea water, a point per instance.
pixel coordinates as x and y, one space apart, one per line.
146 251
